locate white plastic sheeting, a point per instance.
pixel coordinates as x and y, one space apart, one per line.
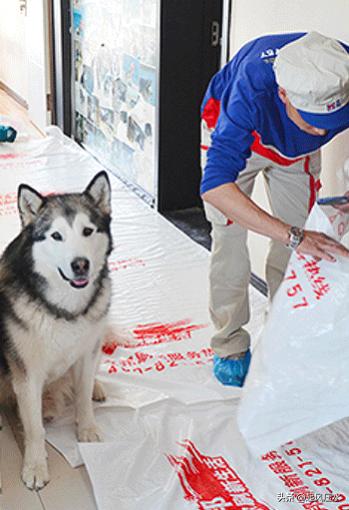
300 366
171 438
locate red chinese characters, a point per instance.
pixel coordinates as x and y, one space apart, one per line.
339 222
9 156
319 286
8 203
211 483
117 265
145 335
157 333
299 479
295 291
292 481
312 270
141 362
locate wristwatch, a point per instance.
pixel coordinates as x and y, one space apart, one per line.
295 237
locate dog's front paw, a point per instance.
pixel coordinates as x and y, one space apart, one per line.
35 474
89 434
98 392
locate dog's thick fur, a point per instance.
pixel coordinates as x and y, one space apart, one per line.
54 298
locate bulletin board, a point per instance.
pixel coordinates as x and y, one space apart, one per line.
115 86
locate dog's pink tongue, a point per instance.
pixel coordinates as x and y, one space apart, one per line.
80 283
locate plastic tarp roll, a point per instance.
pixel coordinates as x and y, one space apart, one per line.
299 380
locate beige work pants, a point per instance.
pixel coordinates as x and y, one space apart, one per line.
291 191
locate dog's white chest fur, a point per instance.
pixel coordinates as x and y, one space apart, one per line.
51 346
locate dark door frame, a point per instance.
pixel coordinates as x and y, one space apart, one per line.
190 54
62 64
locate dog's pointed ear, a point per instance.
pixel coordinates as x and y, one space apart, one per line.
100 191
29 202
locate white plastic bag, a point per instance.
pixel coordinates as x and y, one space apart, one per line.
299 376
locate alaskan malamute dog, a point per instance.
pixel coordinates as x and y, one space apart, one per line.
54 297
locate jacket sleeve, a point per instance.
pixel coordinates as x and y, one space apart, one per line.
232 137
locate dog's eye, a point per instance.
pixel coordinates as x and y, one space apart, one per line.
87 231
57 236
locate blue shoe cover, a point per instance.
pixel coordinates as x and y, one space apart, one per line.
231 372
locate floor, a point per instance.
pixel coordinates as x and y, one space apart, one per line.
10 108
193 223
13 494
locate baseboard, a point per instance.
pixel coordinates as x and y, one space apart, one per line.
19 99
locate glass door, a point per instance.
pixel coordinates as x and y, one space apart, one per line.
115 91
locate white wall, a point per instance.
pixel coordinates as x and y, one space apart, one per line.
253 18
13 64
24 58
38 61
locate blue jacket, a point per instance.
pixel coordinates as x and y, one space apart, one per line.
243 105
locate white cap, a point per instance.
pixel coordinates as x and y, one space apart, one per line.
314 71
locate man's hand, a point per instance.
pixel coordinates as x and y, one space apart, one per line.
234 204
321 246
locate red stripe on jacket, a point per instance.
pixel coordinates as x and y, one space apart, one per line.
210 115
211 111
260 149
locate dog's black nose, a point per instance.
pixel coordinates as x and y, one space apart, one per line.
80 266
